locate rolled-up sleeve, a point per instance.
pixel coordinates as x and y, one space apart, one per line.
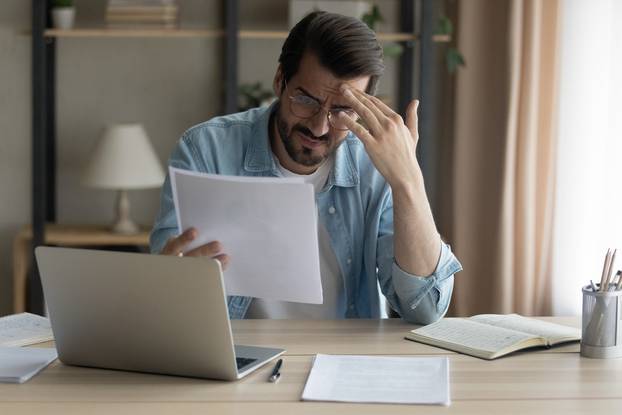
423 300
165 225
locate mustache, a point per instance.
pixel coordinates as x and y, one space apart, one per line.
308 133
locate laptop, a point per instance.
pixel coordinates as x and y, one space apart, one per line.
145 313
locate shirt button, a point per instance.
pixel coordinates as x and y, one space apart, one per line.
349 260
331 210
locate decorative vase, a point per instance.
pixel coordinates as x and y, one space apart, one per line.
63 17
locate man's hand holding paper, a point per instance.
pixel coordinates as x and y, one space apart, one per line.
177 245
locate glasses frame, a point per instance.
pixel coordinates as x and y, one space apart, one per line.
329 112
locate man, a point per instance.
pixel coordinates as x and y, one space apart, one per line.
375 223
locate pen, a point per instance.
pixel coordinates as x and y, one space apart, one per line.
593 286
276 372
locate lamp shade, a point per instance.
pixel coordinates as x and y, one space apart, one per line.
123 158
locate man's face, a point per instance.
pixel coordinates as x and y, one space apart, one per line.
302 143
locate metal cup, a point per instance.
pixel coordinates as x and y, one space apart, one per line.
601 327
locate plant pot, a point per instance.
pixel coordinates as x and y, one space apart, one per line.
63 17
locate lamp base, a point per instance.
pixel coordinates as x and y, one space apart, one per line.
123 224
127 227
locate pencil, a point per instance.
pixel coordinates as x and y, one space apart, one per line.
602 277
610 269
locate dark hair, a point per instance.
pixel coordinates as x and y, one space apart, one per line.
344 45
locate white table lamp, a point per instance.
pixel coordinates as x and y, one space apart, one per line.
123 159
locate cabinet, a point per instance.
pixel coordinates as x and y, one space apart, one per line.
44 42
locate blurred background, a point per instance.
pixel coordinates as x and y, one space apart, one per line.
521 131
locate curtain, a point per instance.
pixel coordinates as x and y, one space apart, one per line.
504 157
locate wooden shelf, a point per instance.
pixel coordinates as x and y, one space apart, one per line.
63 235
125 33
207 33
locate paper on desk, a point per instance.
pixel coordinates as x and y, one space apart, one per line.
23 329
377 379
18 364
267 225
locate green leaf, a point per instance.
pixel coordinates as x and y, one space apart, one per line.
444 26
372 17
454 59
392 50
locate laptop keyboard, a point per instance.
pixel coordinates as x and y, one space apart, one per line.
243 361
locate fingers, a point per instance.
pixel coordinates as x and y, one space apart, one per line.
369 113
223 259
176 245
382 110
356 128
210 249
412 120
213 250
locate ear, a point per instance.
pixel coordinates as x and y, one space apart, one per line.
278 81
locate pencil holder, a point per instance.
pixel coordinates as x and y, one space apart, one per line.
601 329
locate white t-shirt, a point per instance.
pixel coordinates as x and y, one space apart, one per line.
332 282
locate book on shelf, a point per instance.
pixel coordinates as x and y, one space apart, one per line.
489 336
141 3
129 13
142 26
141 19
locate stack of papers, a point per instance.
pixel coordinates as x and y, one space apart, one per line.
268 225
373 379
24 329
18 364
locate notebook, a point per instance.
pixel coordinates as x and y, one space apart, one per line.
24 329
489 336
18 364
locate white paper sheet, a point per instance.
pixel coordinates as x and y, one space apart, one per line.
23 329
18 364
267 225
377 379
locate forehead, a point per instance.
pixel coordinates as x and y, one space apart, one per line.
319 81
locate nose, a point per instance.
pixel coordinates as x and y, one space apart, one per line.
319 124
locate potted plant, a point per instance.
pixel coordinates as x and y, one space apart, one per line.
63 14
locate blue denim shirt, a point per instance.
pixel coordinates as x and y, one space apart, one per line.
355 207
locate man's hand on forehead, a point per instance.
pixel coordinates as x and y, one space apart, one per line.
390 142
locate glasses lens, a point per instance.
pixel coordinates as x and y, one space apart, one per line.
303 107
337 122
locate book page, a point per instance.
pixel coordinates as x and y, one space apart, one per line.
472 335
552 332
23 329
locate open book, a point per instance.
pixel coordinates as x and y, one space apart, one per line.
493 335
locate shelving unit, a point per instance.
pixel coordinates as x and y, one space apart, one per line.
208 33
44 93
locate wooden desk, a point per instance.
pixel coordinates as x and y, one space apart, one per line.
538 382
62 235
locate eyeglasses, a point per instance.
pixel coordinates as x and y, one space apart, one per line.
305 107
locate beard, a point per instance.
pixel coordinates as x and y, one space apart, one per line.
296 151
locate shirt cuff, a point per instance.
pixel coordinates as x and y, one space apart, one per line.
412 289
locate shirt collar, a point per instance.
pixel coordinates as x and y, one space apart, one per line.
259 157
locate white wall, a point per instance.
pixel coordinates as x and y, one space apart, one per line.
588 216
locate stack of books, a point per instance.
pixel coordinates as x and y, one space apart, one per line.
142 14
